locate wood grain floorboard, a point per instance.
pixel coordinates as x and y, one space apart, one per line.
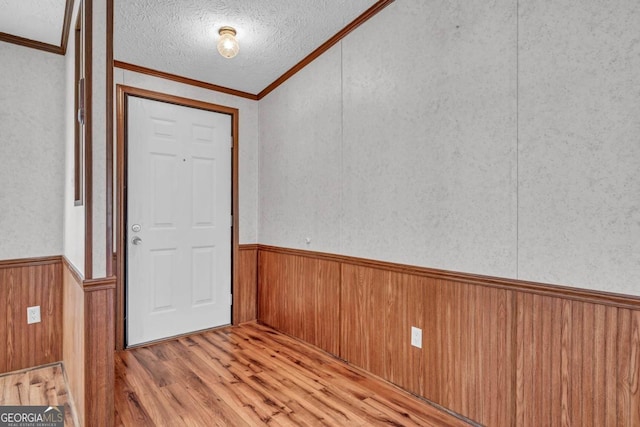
40 386
251 375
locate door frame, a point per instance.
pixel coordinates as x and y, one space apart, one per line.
122 94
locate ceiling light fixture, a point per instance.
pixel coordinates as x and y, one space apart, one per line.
227 44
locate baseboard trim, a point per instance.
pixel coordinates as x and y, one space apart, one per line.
544 289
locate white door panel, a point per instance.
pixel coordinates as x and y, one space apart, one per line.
179 192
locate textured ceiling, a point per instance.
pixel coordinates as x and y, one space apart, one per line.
39 20
179 36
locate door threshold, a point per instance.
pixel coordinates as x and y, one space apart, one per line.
175 337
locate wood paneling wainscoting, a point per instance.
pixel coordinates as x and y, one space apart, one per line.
25 283
300 296
99 333
245 295
73 353
500 352
88 349
77 327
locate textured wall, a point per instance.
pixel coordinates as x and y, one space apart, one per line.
497 139
99 138
73 215
248 155
429 159
300 152
579 145
32 96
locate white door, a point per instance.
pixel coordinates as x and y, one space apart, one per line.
178 220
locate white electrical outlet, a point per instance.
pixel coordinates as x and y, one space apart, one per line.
416 337
33 314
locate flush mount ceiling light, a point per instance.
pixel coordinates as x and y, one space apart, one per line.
227 44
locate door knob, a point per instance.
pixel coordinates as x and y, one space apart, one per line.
136 240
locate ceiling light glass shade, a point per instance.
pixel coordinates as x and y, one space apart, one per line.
227 44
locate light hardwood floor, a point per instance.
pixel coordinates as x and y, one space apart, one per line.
251 375
38 386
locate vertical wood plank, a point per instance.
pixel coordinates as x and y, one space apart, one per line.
536 364
449 341
99 356
634 369
556 362
521 376
624 366
326 308
9 317
587 351
54 313
611 368
5 318
432 359
530 368
465 372
599 361
363 294
350 309
489 323
535 360
544 353
474 398
267 291
397 336
245 298
34 330
418 295
565 374
293 319
459 310
575 364
506 367
73 345
376 334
